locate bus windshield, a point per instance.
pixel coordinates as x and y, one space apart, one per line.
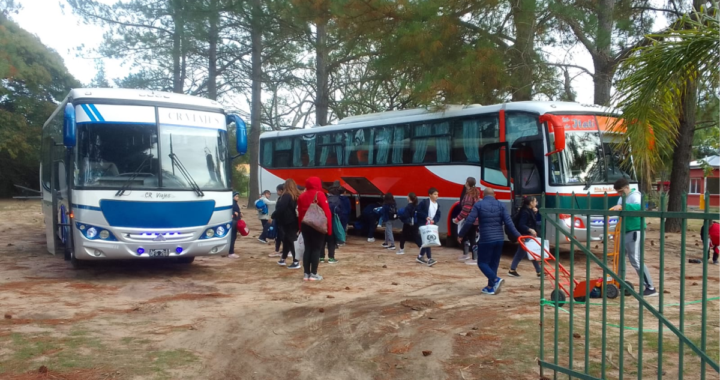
587 160
120 155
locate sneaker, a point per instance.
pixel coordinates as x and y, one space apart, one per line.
392 247
315 277
233 256
275 254
370 240
294 265
385 245
306 277
498 282
488 290
431 262
332 261
420 260
715 262
514 273
322 260
341 245
464 257
650 292
540 274
470 262
400 252
282 263
262 241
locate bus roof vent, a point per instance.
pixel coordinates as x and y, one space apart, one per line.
383 115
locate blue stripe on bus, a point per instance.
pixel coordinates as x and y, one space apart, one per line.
86 207
97 113
221 208
88 112
150 123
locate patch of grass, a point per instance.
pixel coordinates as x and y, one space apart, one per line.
84 349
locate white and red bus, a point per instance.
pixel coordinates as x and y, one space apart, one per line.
518 148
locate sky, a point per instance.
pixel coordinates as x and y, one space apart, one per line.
64 32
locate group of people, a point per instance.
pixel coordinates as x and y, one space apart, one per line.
482 224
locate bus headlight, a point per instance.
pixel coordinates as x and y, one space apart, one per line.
104 234
220 231
95 233
91 233
209 233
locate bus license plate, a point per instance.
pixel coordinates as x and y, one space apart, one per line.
159 253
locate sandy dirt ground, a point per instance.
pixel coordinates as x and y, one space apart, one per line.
376 315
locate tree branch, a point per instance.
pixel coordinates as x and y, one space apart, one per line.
573 66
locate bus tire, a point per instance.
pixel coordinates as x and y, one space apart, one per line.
185 260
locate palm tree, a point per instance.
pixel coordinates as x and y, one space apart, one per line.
657 94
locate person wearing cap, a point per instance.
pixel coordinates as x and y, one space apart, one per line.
237 215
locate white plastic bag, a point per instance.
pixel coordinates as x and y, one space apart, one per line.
534 247
429 235
460 225
299 248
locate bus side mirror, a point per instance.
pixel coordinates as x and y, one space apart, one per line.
69 127
556 131
240 133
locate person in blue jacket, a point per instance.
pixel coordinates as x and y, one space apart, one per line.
428 212
491 215
526 225
339 206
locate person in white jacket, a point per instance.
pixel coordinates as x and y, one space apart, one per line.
264 214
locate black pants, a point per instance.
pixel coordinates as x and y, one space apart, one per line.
471 237
278 241
289 235
409 233
314 245
331 243
233 236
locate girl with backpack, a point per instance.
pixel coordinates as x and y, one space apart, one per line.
408 216
287 221
336 202
389 213
526 224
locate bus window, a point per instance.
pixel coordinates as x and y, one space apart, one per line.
282 154
330 149
304 151
431 143
359 148
267 153
519 124
383 140
401 145
492 168
470 135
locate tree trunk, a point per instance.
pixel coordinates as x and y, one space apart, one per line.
256 106
321 72
602 56
523 51
177 47
680 175
212 51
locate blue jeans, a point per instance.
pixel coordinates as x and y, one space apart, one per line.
489 259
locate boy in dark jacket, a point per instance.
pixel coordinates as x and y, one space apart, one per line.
237 215
428 212
491 215
527 225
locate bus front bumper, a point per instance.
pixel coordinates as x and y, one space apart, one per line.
118 250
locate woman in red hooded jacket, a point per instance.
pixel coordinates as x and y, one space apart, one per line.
314 240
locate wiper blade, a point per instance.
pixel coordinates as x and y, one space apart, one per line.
134 174
176 162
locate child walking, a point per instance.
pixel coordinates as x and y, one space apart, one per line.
408 216
389 213
428 212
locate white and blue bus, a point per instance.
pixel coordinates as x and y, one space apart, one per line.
135 174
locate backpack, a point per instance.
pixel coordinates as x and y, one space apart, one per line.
393 212
334 204
261 207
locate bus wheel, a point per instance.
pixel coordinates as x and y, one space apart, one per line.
185 260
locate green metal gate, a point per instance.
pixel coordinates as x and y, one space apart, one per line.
629 337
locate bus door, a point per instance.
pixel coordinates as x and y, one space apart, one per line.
526 168
60 202
494 159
